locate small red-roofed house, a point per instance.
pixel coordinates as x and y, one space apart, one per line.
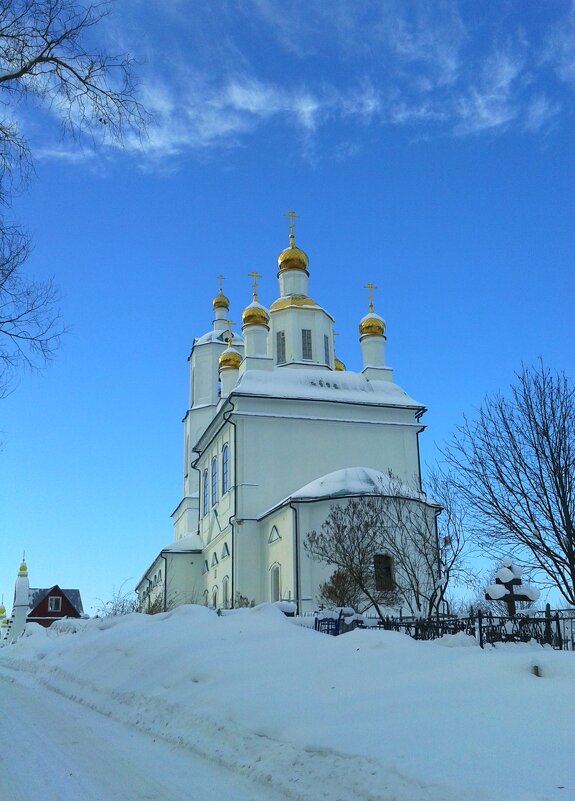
46 606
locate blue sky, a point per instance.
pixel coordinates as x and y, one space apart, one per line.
428 147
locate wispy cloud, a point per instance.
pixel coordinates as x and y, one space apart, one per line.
491 102
322 70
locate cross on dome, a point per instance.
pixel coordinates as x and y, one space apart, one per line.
230 336
370 287
293 216
255 275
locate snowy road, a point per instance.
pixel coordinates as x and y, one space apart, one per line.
53 749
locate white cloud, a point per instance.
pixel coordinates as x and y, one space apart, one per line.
539 113
491 102
323 68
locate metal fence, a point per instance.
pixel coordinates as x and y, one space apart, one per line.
556 629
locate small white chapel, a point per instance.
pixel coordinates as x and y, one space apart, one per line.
276 432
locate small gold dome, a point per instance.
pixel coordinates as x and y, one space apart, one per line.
220 301
339 365
292 258
23 569
372 325
255 314
230 359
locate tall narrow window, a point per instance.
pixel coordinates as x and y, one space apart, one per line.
383 568
306 344
214 480
326 348
281 346
205 496
275 583
225 469
226 592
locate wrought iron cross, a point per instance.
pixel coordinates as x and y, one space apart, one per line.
220 278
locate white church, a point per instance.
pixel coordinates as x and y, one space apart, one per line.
276 432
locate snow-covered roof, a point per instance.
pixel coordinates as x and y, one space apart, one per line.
218 336
354 481
190 542
350 482
345 386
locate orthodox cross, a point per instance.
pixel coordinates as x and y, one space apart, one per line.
220 278
292 215
510 596
230 336
371 287
255 276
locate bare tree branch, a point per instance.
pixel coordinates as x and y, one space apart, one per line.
47 59
515 468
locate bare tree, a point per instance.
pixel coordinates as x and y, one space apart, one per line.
515 468
30 323
348 541
387 546
46 60
122 602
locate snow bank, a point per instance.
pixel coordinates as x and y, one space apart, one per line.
370 714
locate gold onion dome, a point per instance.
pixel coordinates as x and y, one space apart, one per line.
372 325
339 365
255 314
292 258
23 569
220 301
230 359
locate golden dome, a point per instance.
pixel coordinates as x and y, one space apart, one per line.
292 258
255 314
339 365
220 301
289 301
372 325
230 359
23 569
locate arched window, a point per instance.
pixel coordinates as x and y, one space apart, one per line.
275 587
226 592
205 497
206 595
225 469
215 597
214 480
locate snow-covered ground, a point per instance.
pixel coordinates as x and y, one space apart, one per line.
188 705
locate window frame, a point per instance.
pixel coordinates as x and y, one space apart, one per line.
281 347
52 607
205 493
214 477
306 345
225 468
384 572
275 570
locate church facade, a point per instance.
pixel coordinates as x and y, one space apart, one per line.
276 432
